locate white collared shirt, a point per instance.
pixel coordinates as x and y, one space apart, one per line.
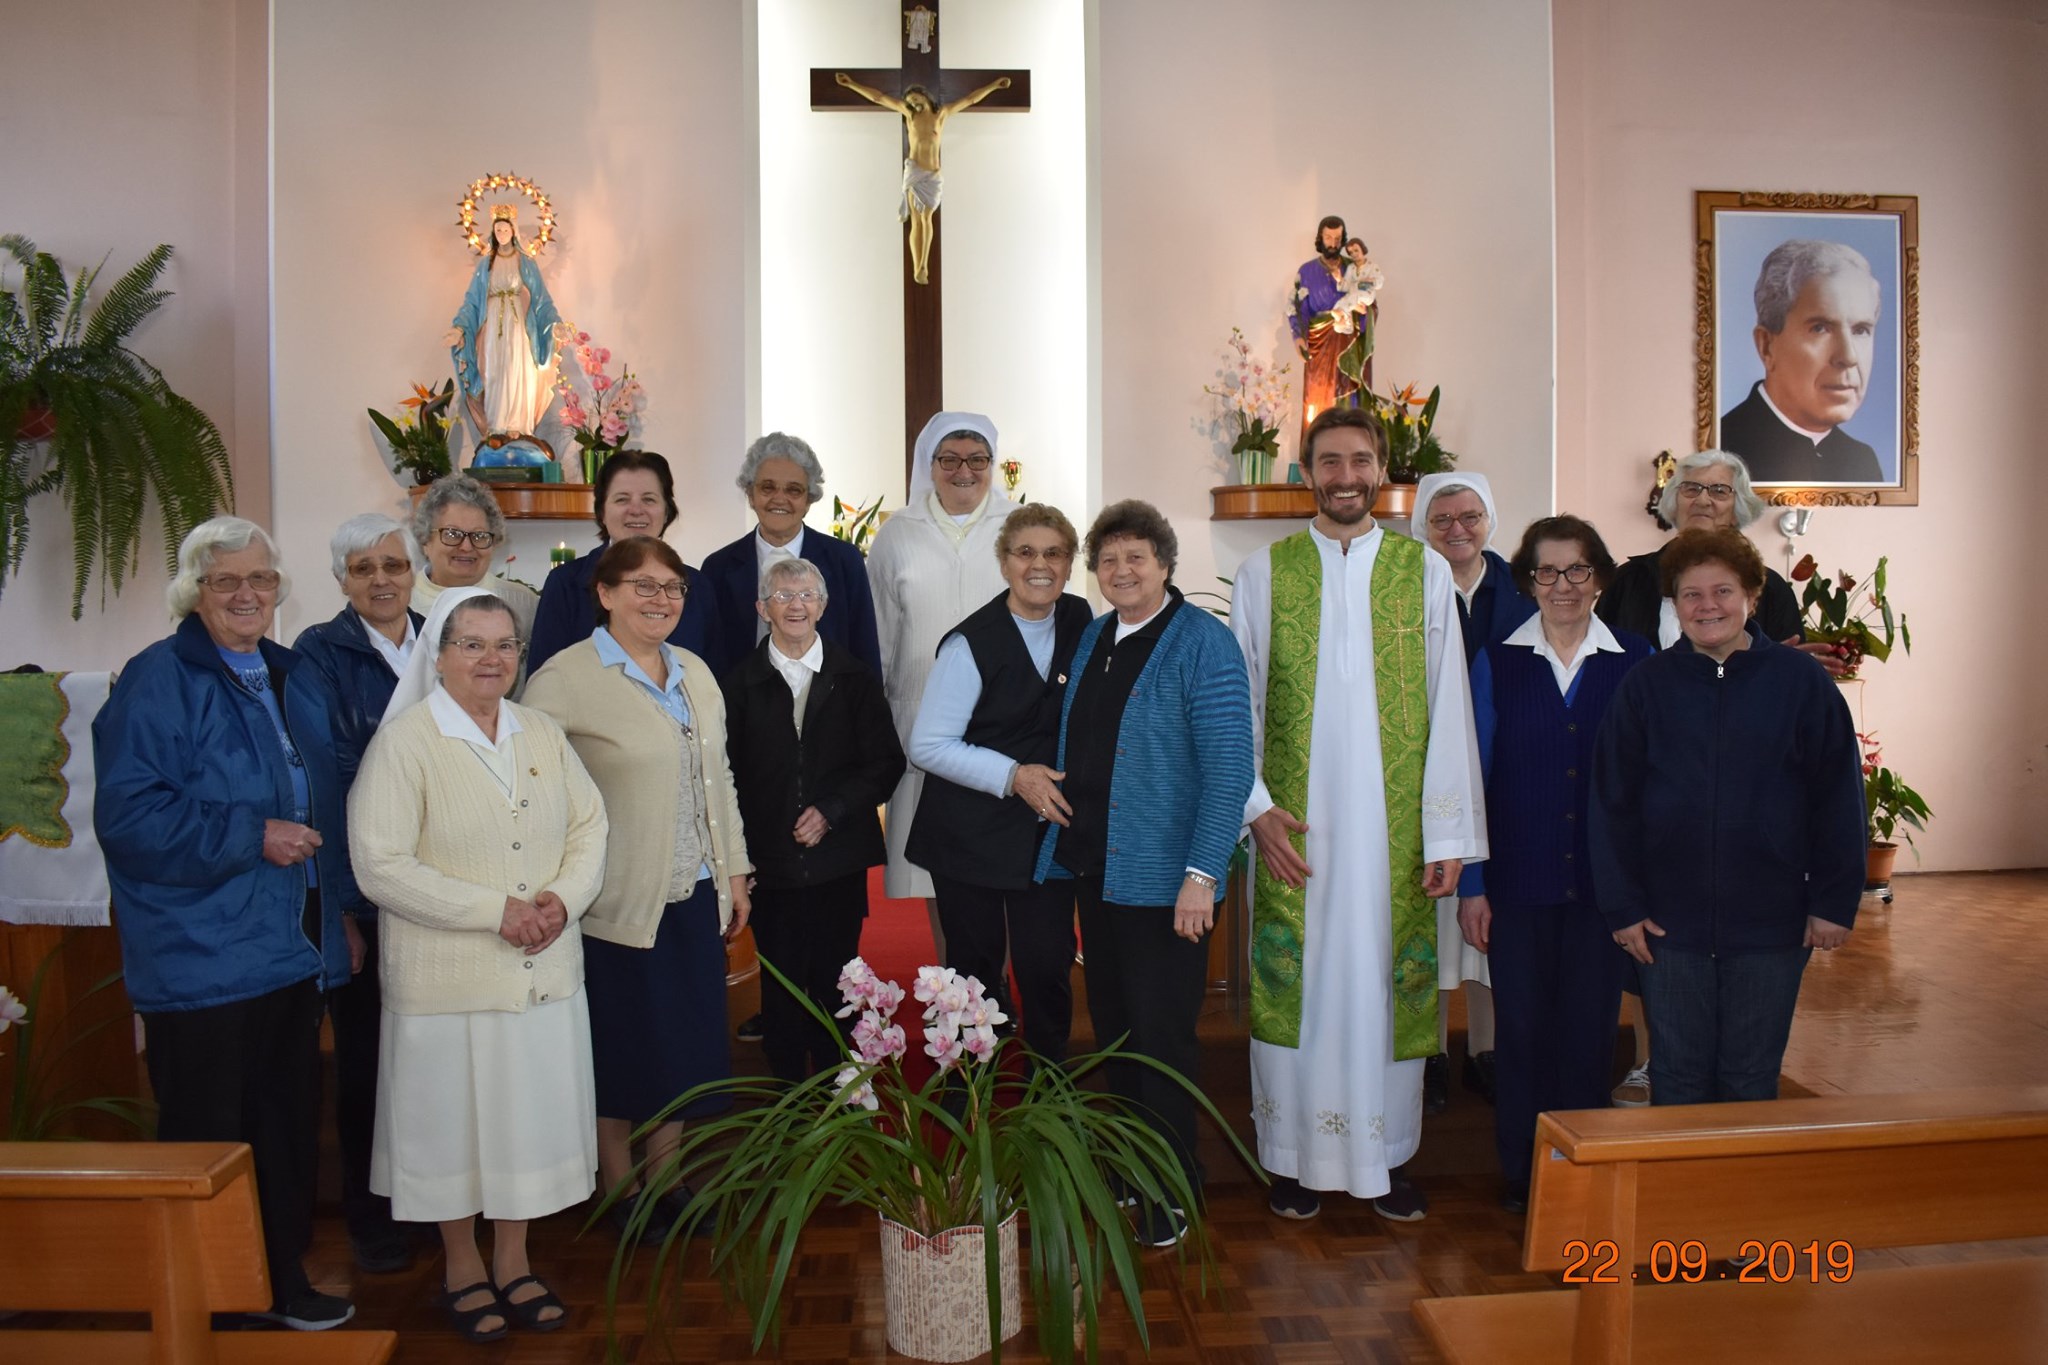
1565 671
797 672
496 755
398 655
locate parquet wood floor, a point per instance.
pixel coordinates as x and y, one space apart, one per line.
1947 987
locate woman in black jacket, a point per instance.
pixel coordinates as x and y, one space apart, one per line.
1726 828
814 752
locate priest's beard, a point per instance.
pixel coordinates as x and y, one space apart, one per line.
1348 514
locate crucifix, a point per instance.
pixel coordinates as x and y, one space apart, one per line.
924 94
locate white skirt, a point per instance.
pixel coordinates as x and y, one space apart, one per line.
1456 960
489 1112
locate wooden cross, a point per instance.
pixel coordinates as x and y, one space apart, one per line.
923 341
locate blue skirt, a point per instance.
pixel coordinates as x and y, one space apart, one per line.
657 1015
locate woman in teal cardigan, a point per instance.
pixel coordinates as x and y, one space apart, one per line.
1154 767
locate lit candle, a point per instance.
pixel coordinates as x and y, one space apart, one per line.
561 554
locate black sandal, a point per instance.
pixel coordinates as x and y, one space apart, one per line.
527 1312
466 1321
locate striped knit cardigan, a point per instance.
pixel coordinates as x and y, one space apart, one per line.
1184 762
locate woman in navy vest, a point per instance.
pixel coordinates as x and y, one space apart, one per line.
1538 697
986 736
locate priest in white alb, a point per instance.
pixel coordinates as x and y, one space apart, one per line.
1367 805
933 563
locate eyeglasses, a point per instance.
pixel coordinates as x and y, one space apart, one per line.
483 540
1547 574
782 597
951 463
792 491
1053 557
363 570
471 647
649 587
228 584
1719 492
1471 521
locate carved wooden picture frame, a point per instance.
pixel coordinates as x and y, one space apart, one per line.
1827 402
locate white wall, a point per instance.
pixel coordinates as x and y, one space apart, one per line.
1225 132
124 126
629 115
1012 223
1943 101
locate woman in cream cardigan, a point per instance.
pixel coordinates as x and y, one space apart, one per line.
476 831
649 723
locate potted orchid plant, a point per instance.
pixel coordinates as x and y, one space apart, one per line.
1251 399
602 419
950 1164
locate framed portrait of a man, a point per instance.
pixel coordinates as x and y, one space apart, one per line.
1809 337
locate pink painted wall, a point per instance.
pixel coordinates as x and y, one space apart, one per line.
126 125
1657 98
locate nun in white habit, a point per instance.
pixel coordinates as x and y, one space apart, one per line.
933 563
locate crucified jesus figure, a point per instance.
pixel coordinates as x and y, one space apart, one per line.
923 123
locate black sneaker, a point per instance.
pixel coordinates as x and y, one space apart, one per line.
1404 1201
749 1030
1160 1227
1290 1200
1436 1084
309 1310
1514 1196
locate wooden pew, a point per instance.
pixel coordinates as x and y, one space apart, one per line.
165 1228
1626 1201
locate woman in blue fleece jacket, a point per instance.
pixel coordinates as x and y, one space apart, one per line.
1727 828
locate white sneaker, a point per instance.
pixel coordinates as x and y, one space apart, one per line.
1634 1090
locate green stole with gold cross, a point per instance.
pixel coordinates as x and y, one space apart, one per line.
1401 689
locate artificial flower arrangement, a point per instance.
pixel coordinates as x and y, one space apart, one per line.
419 436
1887 801
1252 399
603 419
1855 617
979 1142
1412 447
855 524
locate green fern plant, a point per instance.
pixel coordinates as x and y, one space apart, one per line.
86 418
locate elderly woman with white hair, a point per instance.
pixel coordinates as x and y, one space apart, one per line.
813 753
218 805
481 838
1455 514
359 655
460 531
782 479
1709 490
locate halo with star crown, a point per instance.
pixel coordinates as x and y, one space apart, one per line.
472 200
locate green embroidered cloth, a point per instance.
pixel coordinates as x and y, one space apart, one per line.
1400 685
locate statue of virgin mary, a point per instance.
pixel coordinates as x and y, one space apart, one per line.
503 337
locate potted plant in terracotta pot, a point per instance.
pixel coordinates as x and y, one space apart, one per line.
1888 804
950 1164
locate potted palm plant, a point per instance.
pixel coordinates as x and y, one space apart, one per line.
950 1165
1888 804
83 416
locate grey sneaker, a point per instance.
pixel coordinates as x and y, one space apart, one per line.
1634 1090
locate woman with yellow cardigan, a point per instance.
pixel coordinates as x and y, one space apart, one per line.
648 721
